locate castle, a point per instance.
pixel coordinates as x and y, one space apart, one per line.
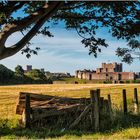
49 74
108 72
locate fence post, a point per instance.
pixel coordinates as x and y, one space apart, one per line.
92 108
136 104
124 102
27 111
109 106
101 102
95 98
98 95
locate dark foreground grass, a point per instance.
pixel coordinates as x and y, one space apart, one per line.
122 126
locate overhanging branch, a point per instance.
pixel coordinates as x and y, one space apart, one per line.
18 46
25 22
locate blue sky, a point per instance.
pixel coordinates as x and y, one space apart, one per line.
65 52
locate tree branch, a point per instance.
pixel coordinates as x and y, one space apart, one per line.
18 46
20 25
81 17
72 7
14 6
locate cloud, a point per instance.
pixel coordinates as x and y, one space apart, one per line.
64 53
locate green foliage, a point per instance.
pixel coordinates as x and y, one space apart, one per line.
121 20
108 82
136 81
131 52
37 75
21 79
5 74
19 70
122 126
18 77
127 81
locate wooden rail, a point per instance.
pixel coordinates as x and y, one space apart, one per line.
37 107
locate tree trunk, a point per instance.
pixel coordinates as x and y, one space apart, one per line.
37 18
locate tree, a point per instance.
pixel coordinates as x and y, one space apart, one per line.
122 19
131 53
5 74
19 70
36 74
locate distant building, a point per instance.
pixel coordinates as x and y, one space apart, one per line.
58 74
49 74
108 71
42 70
28 68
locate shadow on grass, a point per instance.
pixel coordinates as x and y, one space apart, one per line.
120 122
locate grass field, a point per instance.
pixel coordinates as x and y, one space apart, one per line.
9 120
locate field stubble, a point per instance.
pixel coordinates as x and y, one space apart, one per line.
9 97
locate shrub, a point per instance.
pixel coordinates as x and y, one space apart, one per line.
127 81
5 74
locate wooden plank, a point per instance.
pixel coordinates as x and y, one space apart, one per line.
95 98
136 103
101 102
19 109
106 108
124 102
35 103
96 111
40 100
39 113
76 122
27 111
42 103
35 96
92 108
109 106
98 95
40 97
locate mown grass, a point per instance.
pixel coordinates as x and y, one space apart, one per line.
9 127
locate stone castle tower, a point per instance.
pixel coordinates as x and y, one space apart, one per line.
108 71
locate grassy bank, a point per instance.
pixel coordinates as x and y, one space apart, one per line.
9 120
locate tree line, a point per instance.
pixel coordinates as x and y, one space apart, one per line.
18 76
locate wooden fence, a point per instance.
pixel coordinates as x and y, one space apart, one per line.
34 107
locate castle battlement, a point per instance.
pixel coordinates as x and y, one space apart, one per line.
108 71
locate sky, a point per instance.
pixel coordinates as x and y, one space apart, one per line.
65 53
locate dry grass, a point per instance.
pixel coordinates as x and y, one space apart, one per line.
9 95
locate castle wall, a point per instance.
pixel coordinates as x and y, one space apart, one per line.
111 67
128 75
84 75
98 70
111 71
98 76
76 74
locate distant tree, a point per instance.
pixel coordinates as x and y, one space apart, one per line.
36 74
5 74
131 52
121 19
19 70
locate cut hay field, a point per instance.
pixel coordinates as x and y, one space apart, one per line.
9 97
